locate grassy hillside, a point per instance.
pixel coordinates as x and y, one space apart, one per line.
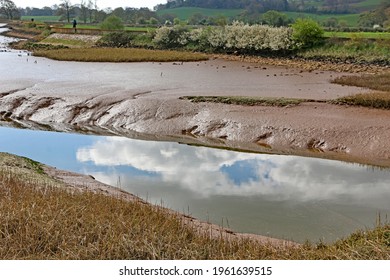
367 5
362 5
186 12
349 19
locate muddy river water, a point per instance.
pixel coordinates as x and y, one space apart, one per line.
281 196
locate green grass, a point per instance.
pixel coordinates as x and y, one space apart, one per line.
66 42
119 55
359 35
367 4
86 26
354 50
350 19
139 29
127 28
43 221
36 166
41 18
186 12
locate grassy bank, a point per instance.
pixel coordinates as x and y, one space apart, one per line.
380 99
119 55
358 35
375 82
69 42
357 50
377 100
379 83
41 220
248 101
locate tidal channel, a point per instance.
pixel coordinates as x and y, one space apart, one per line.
288 197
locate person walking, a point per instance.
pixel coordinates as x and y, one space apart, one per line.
75 25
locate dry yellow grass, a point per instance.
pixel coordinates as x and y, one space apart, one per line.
119 55
41 220
380 82
379 100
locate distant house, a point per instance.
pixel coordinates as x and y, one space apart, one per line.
376 26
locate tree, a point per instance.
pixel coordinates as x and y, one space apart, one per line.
83 11
91 8
153 21
119 12
112 23
275 18
65 9
9 9
307 33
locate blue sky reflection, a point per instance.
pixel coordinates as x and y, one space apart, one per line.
281 196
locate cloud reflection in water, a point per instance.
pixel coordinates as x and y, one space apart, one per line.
209 172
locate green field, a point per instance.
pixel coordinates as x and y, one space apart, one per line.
359 35
368 4
41 18
127 28
186 12
350 19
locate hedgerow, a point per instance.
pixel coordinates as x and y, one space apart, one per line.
238 37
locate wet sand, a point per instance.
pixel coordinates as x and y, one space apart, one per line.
142 100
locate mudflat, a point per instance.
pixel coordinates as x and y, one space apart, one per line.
142 100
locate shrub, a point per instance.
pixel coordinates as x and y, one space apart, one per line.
307 33
238 37
116 40
199 39
171 37
112 23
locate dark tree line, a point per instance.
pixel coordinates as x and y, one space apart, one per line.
8 9
278 5
252 6
88 12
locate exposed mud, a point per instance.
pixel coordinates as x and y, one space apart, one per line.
142 100
320 130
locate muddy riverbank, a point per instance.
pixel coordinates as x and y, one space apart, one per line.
142 100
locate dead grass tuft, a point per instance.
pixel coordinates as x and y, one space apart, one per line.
378 100
380 82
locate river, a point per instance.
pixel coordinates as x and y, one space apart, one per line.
283 196
287 197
